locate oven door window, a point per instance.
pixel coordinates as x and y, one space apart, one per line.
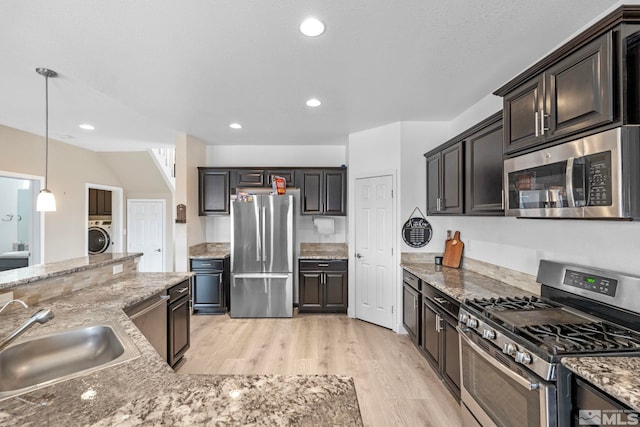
498 395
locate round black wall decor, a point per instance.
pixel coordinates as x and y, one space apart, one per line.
416 232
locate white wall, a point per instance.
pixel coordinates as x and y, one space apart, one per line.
417 139
70 168
142 179
9 212
275 155
372 152
189 154
397 149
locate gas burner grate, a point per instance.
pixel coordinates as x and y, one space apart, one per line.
512 303
583 337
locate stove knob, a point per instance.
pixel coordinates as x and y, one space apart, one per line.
463 318
523 357
472 323
509 348
489 334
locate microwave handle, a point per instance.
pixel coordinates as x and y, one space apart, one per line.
569 179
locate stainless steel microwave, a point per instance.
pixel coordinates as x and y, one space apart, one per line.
595 177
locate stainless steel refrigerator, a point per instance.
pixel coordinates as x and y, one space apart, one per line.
262 256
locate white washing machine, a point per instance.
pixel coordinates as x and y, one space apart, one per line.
100 237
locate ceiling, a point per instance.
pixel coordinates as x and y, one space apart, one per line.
144 71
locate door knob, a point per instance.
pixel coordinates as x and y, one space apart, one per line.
358 256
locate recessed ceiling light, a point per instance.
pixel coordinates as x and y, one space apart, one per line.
87 126
313 102
235 126
312 27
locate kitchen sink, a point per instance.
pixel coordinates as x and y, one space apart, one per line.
43 360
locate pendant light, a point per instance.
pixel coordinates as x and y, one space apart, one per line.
46 202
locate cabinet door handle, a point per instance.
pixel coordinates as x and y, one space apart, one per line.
415 302
183 290
440 300
323 265
502 200
542 116
536 124
438 323
438 204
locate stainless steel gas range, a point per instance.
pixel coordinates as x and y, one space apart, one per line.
510 348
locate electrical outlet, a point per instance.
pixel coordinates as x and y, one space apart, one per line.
6 297
117 269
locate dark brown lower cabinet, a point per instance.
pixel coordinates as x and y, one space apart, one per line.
211 285
411 303
589 401
440 337
178 322
323 286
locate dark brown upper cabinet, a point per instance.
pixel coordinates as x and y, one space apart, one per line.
100 202
324 191
445 179
464 175
573 95
288 175
213 194
248 178
589 84
484 165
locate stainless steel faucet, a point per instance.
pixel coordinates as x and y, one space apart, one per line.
24 304
41 316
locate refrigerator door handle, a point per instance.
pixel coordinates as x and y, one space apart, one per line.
260 276
258 241
264 237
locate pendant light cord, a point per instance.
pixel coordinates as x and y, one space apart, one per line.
46 120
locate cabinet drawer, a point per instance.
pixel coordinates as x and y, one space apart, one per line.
441 300
178 291
333 265
412 280
206 264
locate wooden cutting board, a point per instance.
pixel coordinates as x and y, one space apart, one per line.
453 251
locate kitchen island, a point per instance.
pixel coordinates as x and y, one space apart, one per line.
145 390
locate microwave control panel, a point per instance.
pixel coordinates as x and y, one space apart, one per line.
599 179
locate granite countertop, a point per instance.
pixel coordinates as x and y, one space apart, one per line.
146 391
210 250
324 251
22 276
461 284
615 375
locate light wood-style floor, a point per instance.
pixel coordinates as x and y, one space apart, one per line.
394 383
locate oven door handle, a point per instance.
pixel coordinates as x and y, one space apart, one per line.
517 378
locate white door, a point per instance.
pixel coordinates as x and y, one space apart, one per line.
374 250
145 231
